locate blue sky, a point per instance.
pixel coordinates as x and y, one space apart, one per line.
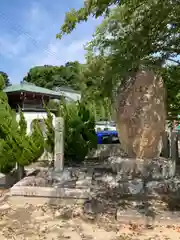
28 35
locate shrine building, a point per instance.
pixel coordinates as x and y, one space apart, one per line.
31 99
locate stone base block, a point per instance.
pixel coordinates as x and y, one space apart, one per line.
138 186
48 183
50 192
130 168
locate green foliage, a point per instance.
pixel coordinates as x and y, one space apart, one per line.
6 78
127 27
30 147
101 109
7 152
91 7
171 76
2 83
80 136
132 35
53 105
54 76
75 75
8 130
36 142
153 24
22 123
15 145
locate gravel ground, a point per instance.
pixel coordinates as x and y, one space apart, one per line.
34 218
38 218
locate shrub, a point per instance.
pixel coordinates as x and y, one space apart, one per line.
8 129
31 146
15 145
80 136
37 143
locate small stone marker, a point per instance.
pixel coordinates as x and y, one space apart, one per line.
59 145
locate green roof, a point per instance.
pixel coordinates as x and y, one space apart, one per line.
25 87
66 89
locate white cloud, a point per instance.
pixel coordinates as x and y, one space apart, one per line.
57 53
37 44
12 47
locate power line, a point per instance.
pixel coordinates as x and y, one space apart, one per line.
17 28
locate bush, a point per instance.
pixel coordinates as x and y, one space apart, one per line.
15 145
8 130
31 146
80 136
36 141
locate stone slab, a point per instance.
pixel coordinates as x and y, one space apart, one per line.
50 192
19 201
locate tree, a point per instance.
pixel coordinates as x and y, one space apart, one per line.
133 34
6 78
28 147
93 88
15 145
153 25
8 130
171 76
55 76
80 135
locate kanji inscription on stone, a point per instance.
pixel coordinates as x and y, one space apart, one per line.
59 144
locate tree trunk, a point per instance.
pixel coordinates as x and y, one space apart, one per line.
141 115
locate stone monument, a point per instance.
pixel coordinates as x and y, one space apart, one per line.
141 122
59 145
141 115
58 173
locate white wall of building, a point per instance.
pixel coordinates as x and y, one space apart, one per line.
30 116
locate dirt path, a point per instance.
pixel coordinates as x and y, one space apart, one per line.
31 219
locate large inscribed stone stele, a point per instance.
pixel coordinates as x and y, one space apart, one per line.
141 115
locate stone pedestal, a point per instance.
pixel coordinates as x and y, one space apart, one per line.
152 169
70 183
145 177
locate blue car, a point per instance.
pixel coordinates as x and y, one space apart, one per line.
107 137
